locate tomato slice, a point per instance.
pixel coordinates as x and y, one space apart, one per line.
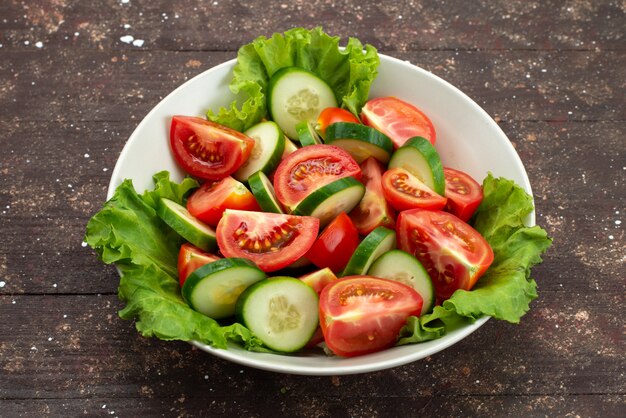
454 254
207 150
373 210
271 240
319 279
405 191
363 314
397 119
463 192
309 168
332 115
335 245
209 201
191 258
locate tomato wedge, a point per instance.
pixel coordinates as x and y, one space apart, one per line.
364 314
335 245
207 150
332 115
209 201
309 168
454 254
191 258
397 119
271 240
405 191
463 192
319 279
373 210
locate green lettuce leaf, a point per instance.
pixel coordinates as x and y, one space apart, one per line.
128 232
349 72
506 289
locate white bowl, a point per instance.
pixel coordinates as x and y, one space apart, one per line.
467 139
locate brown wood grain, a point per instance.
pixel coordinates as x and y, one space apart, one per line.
401 25
93 85
552 74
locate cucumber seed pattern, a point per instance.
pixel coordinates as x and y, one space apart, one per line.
304 105
283 316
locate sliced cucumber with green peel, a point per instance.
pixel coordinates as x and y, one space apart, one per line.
328 201
214 288
281 311
307 134
404 268
420 157
295 95
375 244
263 191
269 144
360 141
180 220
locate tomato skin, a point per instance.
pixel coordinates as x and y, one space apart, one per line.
397 119
271 240
309 168
405 191
454 254
191 258
364 314
335 245
207 150
209 201
373 210
332 115
463 192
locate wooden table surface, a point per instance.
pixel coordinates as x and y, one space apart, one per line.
76 77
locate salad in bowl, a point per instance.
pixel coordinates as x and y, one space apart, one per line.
315 209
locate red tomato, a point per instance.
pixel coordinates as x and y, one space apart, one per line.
463 192
373 210
335 245
309 168
454 254
191 258
364 314
272 240
397 119
405 191
319 279
332 115
317 338
212 198
207 150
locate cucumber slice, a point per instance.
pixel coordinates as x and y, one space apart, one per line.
180 220
214 288
360 141
420 157
269 144
307 134
295 95
328 201
282 311
404 268
263 191
375 244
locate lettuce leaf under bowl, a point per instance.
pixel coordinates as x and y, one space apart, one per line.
506 289
128 232
349 72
